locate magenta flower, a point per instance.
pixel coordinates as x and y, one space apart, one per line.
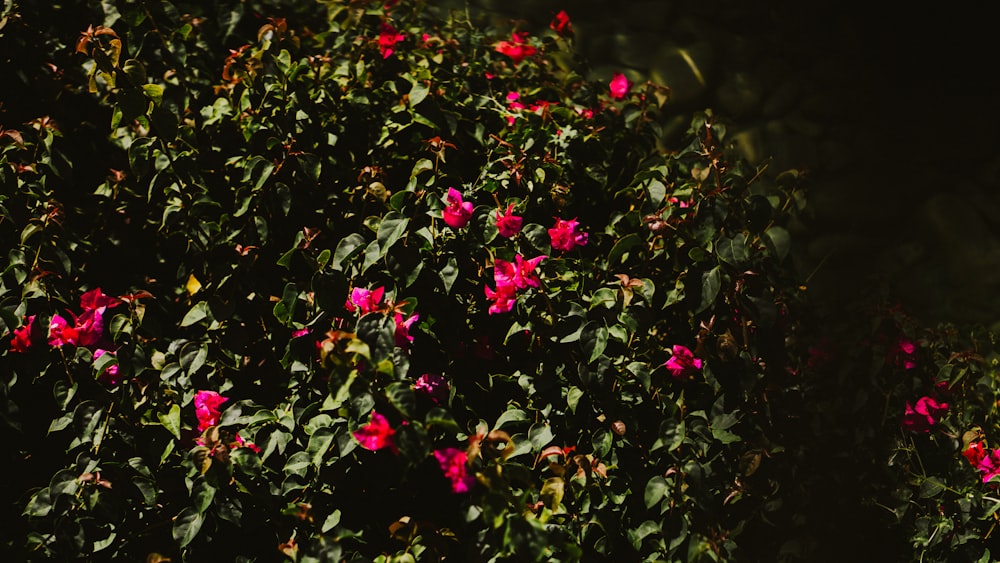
619 86
508 224
458 212
923 415
365 300
110 373
975 453
682 363
903 353
87 330
503 298
565 235
377 434
513 105
434 387
561 24
517 48
402 334
521 274
387 39
989 466
206 408
22 336
95 299
454 462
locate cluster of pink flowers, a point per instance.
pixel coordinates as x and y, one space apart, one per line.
903 353
561 24
454 464
986 462
509 279
682 363
517 48
514 106
84 330
920 417
207 410
566 235
434 387
387 38
458 212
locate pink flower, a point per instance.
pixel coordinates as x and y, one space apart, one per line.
516 49
682 363
975 453
923 415
585 113
110 373
88 329
503 298
95 299
514 106
521 274
903 353
433 386
508 224
565 235
206 408
302 331
989 465
365 300
22 336
619 86
458 212
239 442
387 39
453 462
402 334
377 434
561 24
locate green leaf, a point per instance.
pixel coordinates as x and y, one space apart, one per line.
780 241
379 333
402 397
171 420
540 435
202 494
604 297
319 444
347 248
331 521
594 339
417 93
197 313
391 229
449 273
601 442
655 490
711 282
443 418
573 395
931 487
621 247
510 416
187 524
285 308
298 464
733 251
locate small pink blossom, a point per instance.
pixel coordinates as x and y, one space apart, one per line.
508 224
682 363
503 298
206 408
517 49
561 24
619 86
239 442
975 453
110 373
989 465
433 386
387 39
365 300
585 113
402 334
22 336
565 236
300 333
458 212
377 434
903 353
454 462
95 299
922 416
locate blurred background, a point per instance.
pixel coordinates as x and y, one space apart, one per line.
890 110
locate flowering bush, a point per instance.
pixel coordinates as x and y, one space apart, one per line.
312 327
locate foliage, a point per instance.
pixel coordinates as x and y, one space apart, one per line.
267 297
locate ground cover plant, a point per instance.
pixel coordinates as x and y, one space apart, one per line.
325 281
